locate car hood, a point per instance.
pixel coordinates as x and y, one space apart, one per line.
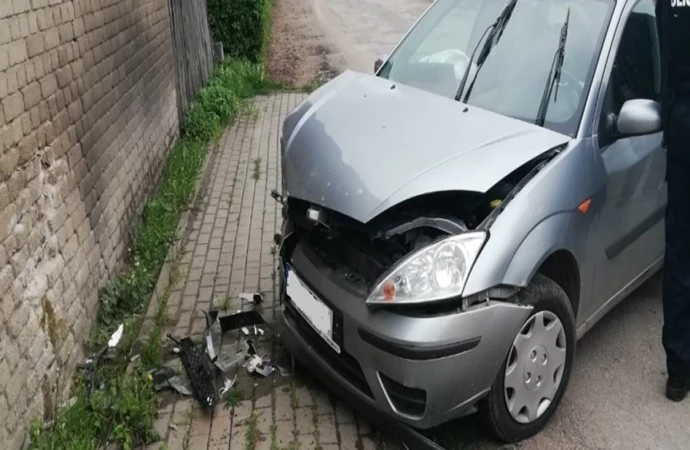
362 144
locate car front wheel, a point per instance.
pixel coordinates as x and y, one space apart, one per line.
535 373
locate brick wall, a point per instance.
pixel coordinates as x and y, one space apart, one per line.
87 112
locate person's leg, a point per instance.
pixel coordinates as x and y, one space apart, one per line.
676 285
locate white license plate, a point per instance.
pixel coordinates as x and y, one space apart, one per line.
314 311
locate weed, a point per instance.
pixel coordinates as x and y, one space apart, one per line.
312 86
253 433
224 304
232 398
315 420
274 444
257 169
250 110
294 401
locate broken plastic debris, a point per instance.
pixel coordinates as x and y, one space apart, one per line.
251 350
237 320
256 330
116 336
181 385
254 362
210 349
229 383
265 369
199 370
160 377
226 362
255 298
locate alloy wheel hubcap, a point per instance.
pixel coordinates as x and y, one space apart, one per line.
535 367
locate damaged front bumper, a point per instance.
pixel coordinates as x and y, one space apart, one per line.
418 369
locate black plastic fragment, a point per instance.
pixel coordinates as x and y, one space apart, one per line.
199 370
161 376
235 321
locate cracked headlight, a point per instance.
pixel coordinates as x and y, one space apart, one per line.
436 272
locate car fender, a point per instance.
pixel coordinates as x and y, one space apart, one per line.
546 238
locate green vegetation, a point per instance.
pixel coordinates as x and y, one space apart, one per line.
257 169
232 398
253 434
243 26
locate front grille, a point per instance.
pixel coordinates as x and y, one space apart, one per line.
407 400
344 364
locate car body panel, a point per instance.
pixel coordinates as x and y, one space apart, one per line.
432 147
544 215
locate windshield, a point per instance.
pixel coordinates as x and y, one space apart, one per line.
513 77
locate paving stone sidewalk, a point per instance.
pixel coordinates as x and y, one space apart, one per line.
228 250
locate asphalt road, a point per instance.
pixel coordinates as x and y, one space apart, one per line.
615 397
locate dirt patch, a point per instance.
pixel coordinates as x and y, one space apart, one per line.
298 53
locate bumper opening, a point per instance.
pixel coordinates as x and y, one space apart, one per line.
406 400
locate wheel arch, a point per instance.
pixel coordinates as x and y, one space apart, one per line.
561 267
549 249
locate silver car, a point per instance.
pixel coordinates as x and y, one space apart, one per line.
455 222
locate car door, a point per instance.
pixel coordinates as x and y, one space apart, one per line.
630 229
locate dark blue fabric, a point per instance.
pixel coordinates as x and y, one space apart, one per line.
673 20
676 289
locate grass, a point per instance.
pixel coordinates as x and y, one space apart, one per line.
257 169
315 420
312 86
252 433
232 398
124 410
224 304
294 401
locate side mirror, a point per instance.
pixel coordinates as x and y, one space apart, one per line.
379 62
639 117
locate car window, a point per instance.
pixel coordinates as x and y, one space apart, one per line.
452 31
636 72
434 56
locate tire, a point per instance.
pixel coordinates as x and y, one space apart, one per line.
547 298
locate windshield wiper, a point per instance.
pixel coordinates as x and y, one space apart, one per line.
495 31
554 73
